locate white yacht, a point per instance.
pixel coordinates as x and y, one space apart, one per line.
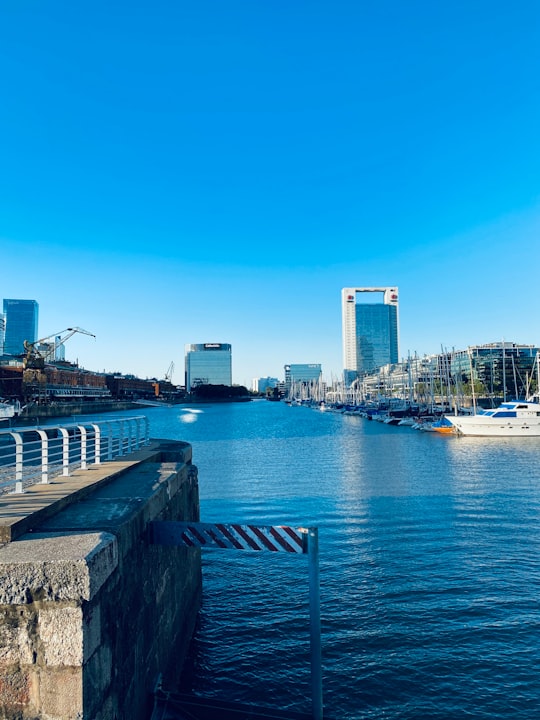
518 418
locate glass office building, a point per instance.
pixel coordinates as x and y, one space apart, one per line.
208 364
302 372
21 323
370 330
302 376
502 370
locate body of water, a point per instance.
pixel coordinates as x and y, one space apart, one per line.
429 557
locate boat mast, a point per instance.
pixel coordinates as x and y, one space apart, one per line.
515 379
472 382
504 371
409 374
537 376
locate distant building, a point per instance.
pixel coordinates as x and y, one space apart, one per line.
502 369
301 374
370 329
21 323
208 364
261 385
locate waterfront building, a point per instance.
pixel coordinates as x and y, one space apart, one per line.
21 323
370 329
2 332
495 371
208 364
503 370
303 379
415 380
261 385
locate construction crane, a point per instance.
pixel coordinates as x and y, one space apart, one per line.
168 374
35 358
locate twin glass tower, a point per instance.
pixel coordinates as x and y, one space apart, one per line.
370 329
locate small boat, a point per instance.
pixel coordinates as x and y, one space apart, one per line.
443 427
518 418
8 410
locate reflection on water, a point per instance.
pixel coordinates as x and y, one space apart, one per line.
430 572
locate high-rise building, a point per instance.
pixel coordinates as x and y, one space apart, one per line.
21 320
370 329
208 364
261 385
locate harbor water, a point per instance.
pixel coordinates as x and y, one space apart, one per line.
429 564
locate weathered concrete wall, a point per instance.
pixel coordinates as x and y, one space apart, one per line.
91 612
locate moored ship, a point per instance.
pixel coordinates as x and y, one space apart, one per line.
517 418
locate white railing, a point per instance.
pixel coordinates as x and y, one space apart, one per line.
30 455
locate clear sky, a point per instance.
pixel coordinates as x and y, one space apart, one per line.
179 172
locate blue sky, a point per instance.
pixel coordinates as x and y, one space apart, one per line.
177 172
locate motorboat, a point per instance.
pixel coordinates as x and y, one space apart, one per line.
7 411
516 418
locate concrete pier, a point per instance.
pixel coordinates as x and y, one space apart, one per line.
91 613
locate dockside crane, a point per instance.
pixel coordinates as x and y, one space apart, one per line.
35 359
170 370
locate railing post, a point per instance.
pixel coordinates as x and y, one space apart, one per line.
130 427
97 444
65 451
120 437
138 438
18 461
82 430
146 430
109 441
44 456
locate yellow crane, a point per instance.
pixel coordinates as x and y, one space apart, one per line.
35 358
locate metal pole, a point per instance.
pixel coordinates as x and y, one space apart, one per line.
315 623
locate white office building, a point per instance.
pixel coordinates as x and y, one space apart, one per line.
370 329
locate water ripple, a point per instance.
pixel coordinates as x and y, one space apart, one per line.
429 565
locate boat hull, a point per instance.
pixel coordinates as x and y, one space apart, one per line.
518 418
475 426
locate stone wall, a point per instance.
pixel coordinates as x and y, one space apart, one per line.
91 613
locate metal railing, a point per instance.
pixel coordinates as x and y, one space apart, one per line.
30 455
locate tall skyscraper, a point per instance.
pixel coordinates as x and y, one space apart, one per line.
21 319
370 329
208 364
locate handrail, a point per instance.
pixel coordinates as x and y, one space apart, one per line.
31 455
